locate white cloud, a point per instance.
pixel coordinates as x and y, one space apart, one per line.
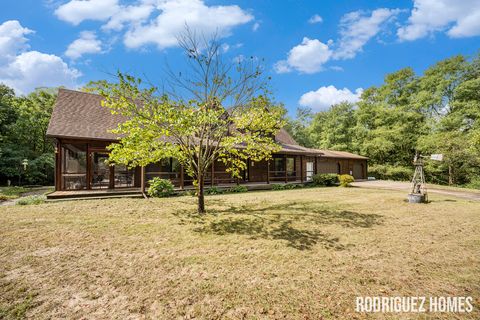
156 22
315 19
12 39
457 18
356 29
129 14
307 57
76 11
173 17
325 97
25 70
87 43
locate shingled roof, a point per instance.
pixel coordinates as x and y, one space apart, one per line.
79 115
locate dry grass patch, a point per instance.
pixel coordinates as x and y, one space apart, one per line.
281 254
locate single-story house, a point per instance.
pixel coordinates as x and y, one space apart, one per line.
80 128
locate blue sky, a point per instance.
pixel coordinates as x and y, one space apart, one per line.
317 52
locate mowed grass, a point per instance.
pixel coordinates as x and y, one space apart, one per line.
296 254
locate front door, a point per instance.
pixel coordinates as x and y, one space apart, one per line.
309 171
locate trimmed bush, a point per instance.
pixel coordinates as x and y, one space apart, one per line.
160 188
31 200
213 191
325 179
237 189
345 180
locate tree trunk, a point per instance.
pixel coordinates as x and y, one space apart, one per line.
450 175
201 196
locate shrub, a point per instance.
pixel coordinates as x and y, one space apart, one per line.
277 187
474 183
160 188
31 200
213 191
325 179
389 172
238 189
345 180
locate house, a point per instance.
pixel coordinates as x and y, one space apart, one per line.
80 128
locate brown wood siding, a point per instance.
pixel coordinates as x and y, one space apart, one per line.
357 168
258 171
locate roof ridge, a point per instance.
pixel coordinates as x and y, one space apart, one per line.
82 92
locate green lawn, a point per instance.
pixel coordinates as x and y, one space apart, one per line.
296 254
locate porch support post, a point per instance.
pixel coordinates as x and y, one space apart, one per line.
315 169
285 167
268 171
301 169
58 166
89 168
181 177
142 181
248 170
111 180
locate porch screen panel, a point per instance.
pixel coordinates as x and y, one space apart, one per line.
290 167
74 166
124 177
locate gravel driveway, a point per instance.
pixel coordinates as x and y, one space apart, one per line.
405 186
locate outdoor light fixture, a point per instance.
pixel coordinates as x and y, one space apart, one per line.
25 164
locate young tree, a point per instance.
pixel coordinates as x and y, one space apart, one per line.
191 122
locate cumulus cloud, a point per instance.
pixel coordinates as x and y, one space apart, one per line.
315 19
357 28
255 26
129 14
174 15
86 44
12 39
24 69
456 18
76 11
325 97
307 57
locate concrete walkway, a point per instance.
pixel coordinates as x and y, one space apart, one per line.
431 188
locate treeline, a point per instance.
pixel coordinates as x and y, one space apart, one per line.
437 112
26 155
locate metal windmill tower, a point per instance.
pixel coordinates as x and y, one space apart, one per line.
418 193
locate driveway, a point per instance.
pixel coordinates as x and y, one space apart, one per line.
405 186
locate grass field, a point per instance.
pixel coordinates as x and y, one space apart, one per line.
297 254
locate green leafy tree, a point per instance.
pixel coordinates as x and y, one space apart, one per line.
334 128
200 130
388 122
300 127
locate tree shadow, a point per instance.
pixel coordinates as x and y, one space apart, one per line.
297 223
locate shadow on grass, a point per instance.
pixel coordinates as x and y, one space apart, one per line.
297 223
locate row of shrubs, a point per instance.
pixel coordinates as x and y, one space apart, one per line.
388 172
331 179
161 188
164 188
